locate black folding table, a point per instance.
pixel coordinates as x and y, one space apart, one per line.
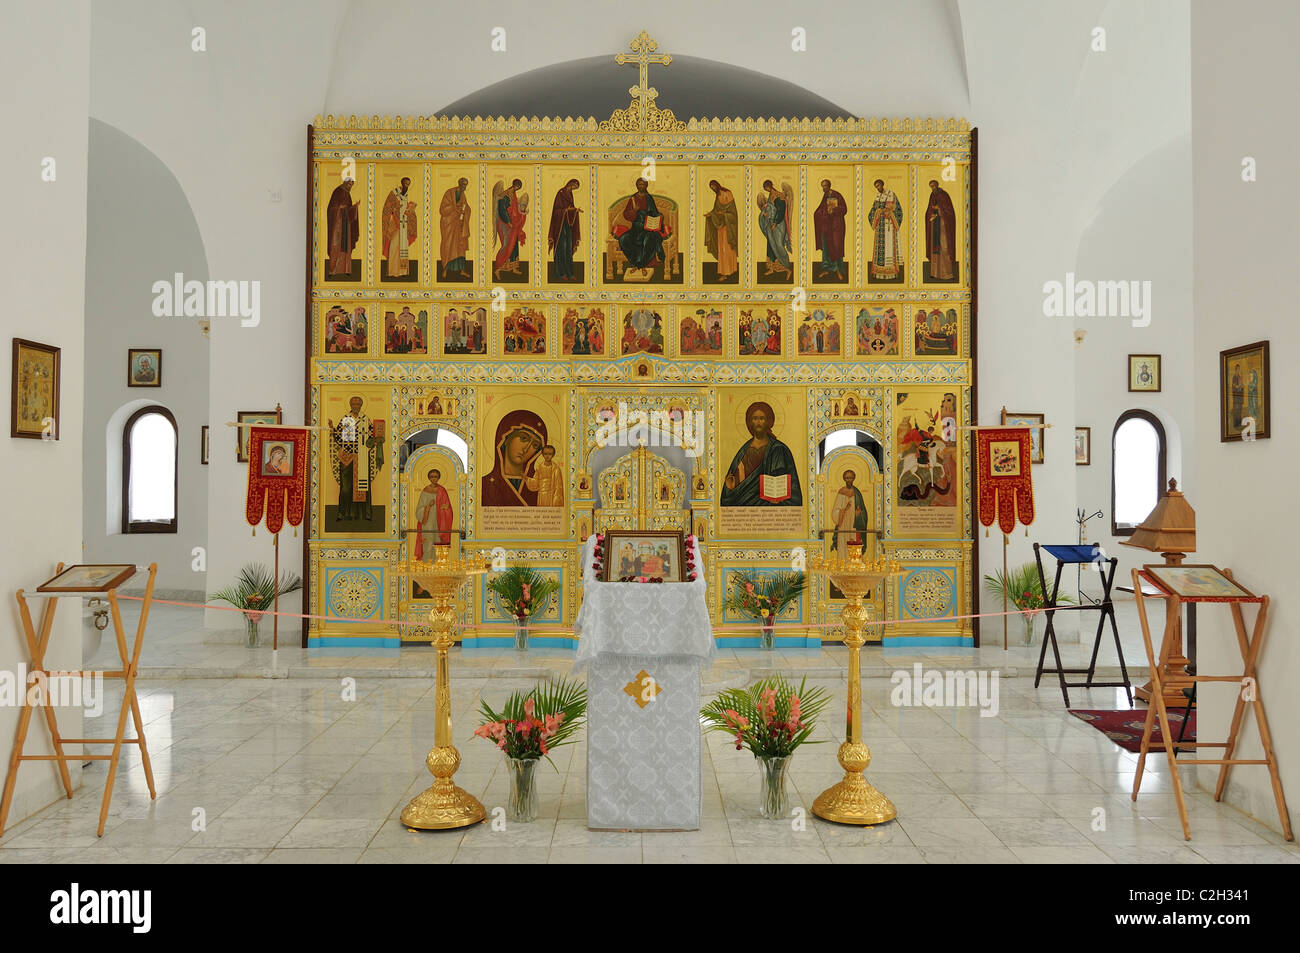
1070 555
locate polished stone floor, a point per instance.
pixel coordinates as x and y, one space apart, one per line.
252 770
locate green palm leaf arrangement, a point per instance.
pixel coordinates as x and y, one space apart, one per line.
531 724
1021 586
523 591
761 595
771 718
255 588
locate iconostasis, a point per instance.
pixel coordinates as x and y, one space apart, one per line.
525 331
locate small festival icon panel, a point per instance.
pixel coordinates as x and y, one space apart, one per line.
936 330
399 207
644 234
523 332
566 199
701 331
941 223
830 225
760 331
820 332
642 329
357 470
406 330
886 223
457 219
464 330
776 229
719 197
340 253
346 329
510 211
877 329
583 331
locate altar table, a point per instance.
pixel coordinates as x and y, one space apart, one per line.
643 646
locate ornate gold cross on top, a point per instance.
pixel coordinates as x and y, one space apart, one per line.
643 94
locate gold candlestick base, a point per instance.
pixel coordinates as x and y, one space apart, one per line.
443 806
854 800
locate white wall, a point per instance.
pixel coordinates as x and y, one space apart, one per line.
1119 245
139 229
1243 60
1059 126
44 68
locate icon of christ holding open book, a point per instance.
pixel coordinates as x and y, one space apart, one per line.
762 473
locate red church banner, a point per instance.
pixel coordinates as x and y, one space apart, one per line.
277 476
1005 484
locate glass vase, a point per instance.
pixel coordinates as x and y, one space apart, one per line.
522 804
771 787
253 628
521 635
1029 628
767 636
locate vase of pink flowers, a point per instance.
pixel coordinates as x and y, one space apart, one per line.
523 592
771 718
763 596
527 728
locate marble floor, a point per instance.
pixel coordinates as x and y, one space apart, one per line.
252 770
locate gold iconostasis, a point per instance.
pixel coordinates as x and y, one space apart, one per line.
525 331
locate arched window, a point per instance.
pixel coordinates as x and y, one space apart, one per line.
849 437
149 472
1137 469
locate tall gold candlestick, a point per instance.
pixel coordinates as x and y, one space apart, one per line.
853 800
444 805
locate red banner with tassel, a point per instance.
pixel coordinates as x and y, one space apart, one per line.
1005 483
277 476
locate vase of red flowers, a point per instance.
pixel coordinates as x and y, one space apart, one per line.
771 718
527 728
767 640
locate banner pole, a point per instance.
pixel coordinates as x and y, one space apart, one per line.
1005 580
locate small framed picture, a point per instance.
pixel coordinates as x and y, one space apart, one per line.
1035 421
1082 446
203 445
34 403
143 367
659 554
1144 373
1245 409
268 417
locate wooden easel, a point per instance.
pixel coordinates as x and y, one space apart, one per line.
1249 647
36 646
